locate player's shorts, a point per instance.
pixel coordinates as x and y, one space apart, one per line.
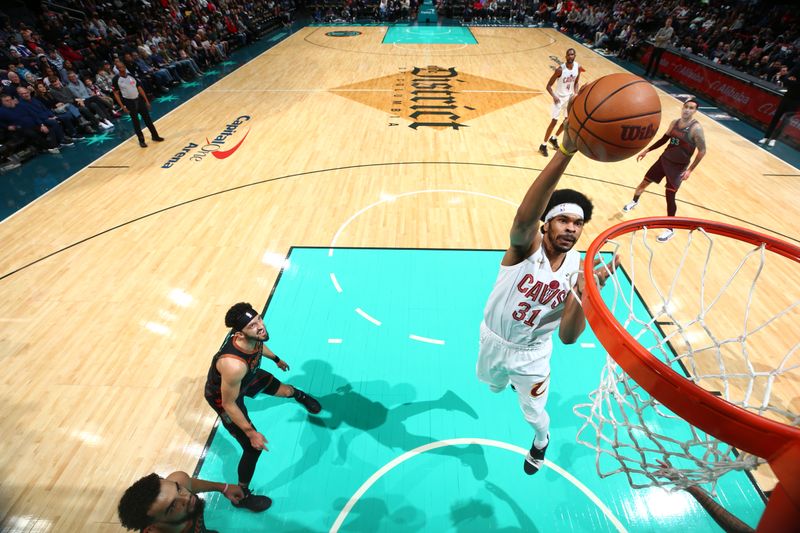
263 382
526 367
663 168
560 107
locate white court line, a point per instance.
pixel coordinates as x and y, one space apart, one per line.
444 51
487 91
588 345
411 31
334 341
301 90
365 315
501 92
390 198
425 339
411 193
459 442
335 283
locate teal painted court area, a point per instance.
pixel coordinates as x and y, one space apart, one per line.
428 35
387 340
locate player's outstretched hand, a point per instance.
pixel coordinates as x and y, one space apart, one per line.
234 493
283 365
258 441
568 142
603 272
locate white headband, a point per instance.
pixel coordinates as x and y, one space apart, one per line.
561 209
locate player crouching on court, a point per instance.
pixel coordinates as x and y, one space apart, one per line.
235 373
162 505
532 297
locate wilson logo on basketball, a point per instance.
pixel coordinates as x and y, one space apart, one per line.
637 133
214 146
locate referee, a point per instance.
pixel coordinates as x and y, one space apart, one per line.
131 98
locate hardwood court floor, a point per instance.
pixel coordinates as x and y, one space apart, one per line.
113 286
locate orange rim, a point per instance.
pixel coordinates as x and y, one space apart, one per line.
742 429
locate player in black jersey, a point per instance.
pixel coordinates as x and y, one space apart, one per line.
684 135
165 505
235 373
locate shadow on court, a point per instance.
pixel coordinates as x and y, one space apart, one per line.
475 515
373 408
372 514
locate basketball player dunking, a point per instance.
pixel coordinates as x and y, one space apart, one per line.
531 297
566 78
683 135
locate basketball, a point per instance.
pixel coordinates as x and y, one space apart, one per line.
614 117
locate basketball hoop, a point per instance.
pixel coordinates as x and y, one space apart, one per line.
650 352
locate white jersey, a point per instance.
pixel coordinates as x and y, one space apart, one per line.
527 301
565 84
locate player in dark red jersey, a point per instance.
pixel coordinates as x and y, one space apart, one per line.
684 135
235 373
166 505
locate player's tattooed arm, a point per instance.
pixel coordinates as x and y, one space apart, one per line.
700 141
699 138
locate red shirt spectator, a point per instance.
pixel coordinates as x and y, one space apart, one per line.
230 26
68 53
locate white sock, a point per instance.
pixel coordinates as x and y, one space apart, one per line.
541 442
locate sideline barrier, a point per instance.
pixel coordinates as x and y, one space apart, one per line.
747 97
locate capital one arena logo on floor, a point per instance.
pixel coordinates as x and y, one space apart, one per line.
222 146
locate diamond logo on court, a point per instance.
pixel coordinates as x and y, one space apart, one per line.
435 97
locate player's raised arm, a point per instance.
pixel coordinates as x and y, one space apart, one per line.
525 237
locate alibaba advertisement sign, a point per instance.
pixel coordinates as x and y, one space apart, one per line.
748 100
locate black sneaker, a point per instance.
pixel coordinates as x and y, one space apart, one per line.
310 403
251 502
543 149
554 143
535 458
143 144
158 139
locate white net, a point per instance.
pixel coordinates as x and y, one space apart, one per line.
722 313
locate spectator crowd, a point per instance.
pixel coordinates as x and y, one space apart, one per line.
350 11
57 68
755 37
